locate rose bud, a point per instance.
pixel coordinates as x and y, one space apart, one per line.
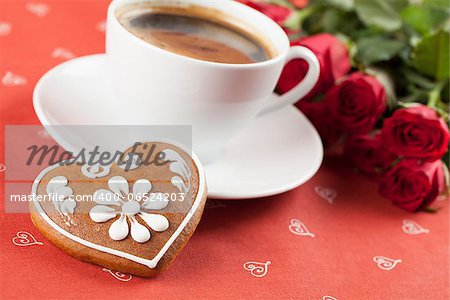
417 132
367 154
413 185
277 13
334 64
299 3
357 103
320 117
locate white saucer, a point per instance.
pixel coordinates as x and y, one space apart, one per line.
274 154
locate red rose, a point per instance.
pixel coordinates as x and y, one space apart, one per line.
416 132
357 103
277 13
334 64
367 154
320 117
412 185
299 3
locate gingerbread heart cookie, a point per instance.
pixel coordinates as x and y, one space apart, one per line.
133 215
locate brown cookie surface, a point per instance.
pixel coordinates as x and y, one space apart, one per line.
131 219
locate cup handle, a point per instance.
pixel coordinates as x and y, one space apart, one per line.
303 87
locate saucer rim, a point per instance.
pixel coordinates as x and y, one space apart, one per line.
37 91
286 187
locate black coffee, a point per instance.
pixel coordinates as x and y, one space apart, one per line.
177 31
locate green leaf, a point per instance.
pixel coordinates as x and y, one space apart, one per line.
446 171
331 20
294 21
445 95
285 3
297 17
438 4
377 48
424 18
383 14
345 5
418 79
431 55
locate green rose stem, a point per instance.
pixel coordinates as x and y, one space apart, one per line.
435 102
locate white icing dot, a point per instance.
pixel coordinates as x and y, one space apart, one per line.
119 229
139 233
102 213
156 222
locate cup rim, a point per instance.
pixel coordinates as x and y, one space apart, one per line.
116 4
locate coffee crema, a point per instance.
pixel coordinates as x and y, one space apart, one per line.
193 31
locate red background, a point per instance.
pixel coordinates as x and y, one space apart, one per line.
337 262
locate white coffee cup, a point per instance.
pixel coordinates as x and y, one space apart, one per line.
153 86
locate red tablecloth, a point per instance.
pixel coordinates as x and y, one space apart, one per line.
332 238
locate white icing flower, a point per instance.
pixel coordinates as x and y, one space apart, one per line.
64 204
118 201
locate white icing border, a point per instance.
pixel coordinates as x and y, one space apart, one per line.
151 263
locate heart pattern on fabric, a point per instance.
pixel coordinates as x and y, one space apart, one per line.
413 228
211 204
298 228
44 134
24 238
101 26
386 263
326 193
118 275
5 28
38 9
257 269
10 80
62 53
134 213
